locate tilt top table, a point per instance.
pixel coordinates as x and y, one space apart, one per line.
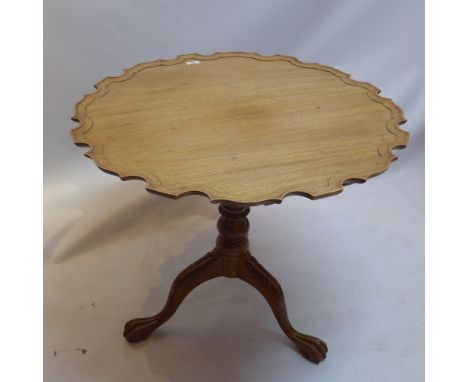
241 129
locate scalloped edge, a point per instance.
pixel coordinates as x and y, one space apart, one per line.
386 151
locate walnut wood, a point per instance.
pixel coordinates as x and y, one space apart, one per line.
230 258
239 127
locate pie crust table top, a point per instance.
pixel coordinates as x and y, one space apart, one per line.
239 127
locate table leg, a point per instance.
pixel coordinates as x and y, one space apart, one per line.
204 269
252 272
230 258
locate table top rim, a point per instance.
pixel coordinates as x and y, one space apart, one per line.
80 116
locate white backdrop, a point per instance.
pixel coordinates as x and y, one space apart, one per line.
351 265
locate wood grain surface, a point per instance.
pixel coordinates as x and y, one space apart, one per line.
239 127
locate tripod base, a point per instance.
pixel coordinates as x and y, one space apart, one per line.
230 258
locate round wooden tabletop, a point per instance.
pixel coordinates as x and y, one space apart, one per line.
239 127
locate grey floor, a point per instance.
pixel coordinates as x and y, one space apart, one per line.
351 267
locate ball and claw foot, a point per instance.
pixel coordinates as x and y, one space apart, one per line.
140 329
312 348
